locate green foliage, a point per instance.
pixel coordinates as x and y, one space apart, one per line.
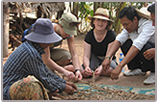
85 10
138 4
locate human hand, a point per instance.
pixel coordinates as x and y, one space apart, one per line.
149 54
72 84
50 94
115 73
98 70
78 75
106 64
69 74
70 87
88 71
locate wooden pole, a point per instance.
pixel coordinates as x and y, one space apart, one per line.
5 29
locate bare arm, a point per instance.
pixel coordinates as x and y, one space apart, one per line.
111 50
109 46
50 63
86 55
75 60
133 51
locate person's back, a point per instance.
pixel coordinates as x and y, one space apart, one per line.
17 60
16 67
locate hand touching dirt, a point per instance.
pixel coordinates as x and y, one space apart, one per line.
98 71
115 73
106 64
53 94
70 87
88 71
69 74
78 75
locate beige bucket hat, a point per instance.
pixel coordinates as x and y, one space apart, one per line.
143 12
101 13
69 23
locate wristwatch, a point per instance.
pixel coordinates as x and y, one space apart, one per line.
76 70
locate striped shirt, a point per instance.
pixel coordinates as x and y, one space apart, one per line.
27 60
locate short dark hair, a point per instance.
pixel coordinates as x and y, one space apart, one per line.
151 8
129 12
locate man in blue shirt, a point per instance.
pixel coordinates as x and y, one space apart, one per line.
25 70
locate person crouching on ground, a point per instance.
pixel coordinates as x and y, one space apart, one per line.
135 39
60 59
25 76
150 53
96 43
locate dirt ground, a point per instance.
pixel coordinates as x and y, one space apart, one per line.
131 81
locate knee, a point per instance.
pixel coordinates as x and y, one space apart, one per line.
107 72
26 90
63 62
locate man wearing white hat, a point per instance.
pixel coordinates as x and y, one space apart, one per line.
135 38
25 76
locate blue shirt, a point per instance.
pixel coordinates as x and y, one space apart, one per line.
27 60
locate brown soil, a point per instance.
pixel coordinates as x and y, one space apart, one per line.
133 81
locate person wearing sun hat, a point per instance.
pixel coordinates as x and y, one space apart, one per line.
135 38
96 43
66 62
25 76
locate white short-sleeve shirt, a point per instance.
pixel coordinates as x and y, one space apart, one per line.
146 32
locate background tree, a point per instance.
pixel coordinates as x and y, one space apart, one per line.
46 9
117 24
14 27
75 9
5 28
85 11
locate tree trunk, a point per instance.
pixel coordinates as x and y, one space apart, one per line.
5 30
95 6
117 24
59 14
75 9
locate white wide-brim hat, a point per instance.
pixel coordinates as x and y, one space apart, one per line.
101 13
43 32
143 13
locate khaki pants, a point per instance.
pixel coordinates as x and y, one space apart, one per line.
60 56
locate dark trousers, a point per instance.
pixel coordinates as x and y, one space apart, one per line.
139 60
